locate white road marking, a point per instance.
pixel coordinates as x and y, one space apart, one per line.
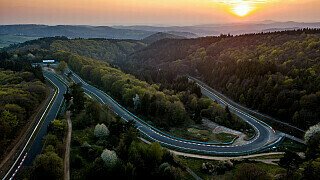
34 130
127 113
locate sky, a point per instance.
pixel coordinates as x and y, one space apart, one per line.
155 12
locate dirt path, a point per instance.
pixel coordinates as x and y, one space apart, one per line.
21 138
268 161
67 151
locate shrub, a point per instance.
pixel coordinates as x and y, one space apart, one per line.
312 131
251 172
101 131
110 158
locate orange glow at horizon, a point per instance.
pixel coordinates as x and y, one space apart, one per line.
155 12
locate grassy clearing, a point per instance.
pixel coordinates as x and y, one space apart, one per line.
201 134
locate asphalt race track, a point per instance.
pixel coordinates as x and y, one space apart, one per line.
33 145
265 137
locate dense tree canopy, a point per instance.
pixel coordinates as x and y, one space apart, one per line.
17 91
48 166
275 73
173 103
122 154
168 105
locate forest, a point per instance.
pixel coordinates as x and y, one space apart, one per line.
160 105
102 146
275 73
20 86
109 50
181 104
106 146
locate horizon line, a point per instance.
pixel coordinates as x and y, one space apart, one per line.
162 25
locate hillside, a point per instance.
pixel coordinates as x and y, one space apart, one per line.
159 36
229 28
175 104
102 49
7 40
275 73
73 31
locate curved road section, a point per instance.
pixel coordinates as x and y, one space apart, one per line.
222 99
33 145
265 136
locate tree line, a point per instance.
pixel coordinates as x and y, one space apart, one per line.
18 90
165 107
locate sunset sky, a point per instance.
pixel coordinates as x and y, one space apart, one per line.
155 12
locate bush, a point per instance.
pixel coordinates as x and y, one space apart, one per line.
251 172
311 132
110 158
101 131
47 166
169 172
76 161
217 169
312 170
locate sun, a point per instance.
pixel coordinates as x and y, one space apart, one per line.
242 9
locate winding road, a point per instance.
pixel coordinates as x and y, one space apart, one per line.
265 137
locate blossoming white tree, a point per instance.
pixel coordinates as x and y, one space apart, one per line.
110 158
312 131
101 131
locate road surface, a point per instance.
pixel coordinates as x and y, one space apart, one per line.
223 100
265 137
33 145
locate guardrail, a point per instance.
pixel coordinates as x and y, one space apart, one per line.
176 138
150 126
155 129
215 153
282 126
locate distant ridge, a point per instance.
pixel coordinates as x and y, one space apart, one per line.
229 28
79 31
11 34
159 36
